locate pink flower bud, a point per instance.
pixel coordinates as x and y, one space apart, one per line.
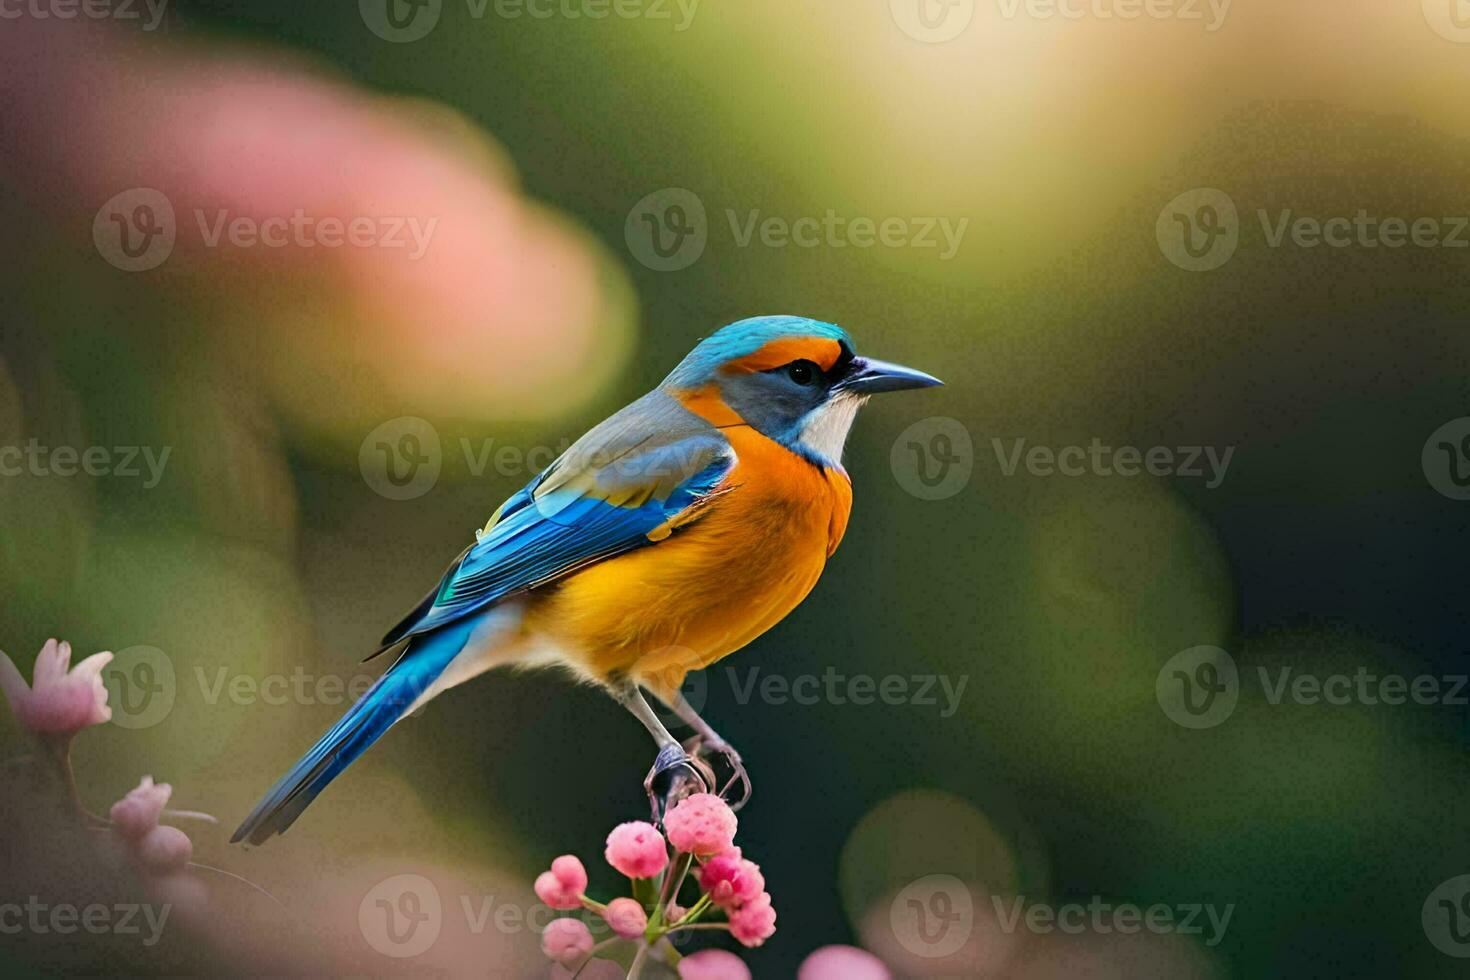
730 880
713 964
626 917
754 922
842 963
637 850
567 941
137 813
701 824
164 849
562 887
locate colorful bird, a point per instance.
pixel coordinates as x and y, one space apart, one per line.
669 536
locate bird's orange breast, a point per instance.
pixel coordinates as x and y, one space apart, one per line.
716 583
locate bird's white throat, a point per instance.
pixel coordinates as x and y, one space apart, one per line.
824 429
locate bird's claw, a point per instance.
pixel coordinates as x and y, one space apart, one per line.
675 775
700 749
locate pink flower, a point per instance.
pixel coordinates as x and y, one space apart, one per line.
701 824
567 941
842 963
730 880
626 917
563 885
754 922
57 701
138 812
636 849
713 964
164 849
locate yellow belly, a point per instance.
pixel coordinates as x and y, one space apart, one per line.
715 585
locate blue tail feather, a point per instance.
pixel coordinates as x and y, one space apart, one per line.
374 713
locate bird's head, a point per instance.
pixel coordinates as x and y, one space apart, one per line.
796 380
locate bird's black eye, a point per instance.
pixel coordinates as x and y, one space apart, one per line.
802 372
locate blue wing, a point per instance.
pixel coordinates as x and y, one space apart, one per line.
624 485
619 487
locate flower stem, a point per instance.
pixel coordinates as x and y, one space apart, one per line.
695 912
636 970
673 881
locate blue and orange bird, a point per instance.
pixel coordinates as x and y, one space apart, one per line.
666 538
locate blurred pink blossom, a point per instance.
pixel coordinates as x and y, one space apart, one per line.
164 849
842 963
636 849
137 813
701 824
61 699
713 964
462 298
567 941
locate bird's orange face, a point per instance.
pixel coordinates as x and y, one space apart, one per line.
773 387
824 352
801 389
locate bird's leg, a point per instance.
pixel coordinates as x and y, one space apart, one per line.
707 739
674 774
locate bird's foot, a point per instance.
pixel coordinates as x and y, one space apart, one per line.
738 781
675 775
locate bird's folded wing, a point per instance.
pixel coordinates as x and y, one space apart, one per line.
621 486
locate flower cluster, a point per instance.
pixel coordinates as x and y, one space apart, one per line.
60 702
699 847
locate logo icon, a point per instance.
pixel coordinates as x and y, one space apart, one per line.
933 916
401 916
667 230
1446 917
1199 230
1446 459
1198 687
932 21
401 458
1450 19
933 458
141 687
135 230
400 21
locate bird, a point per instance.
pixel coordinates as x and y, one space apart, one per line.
667 537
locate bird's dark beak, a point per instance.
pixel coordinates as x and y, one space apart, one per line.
866 376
